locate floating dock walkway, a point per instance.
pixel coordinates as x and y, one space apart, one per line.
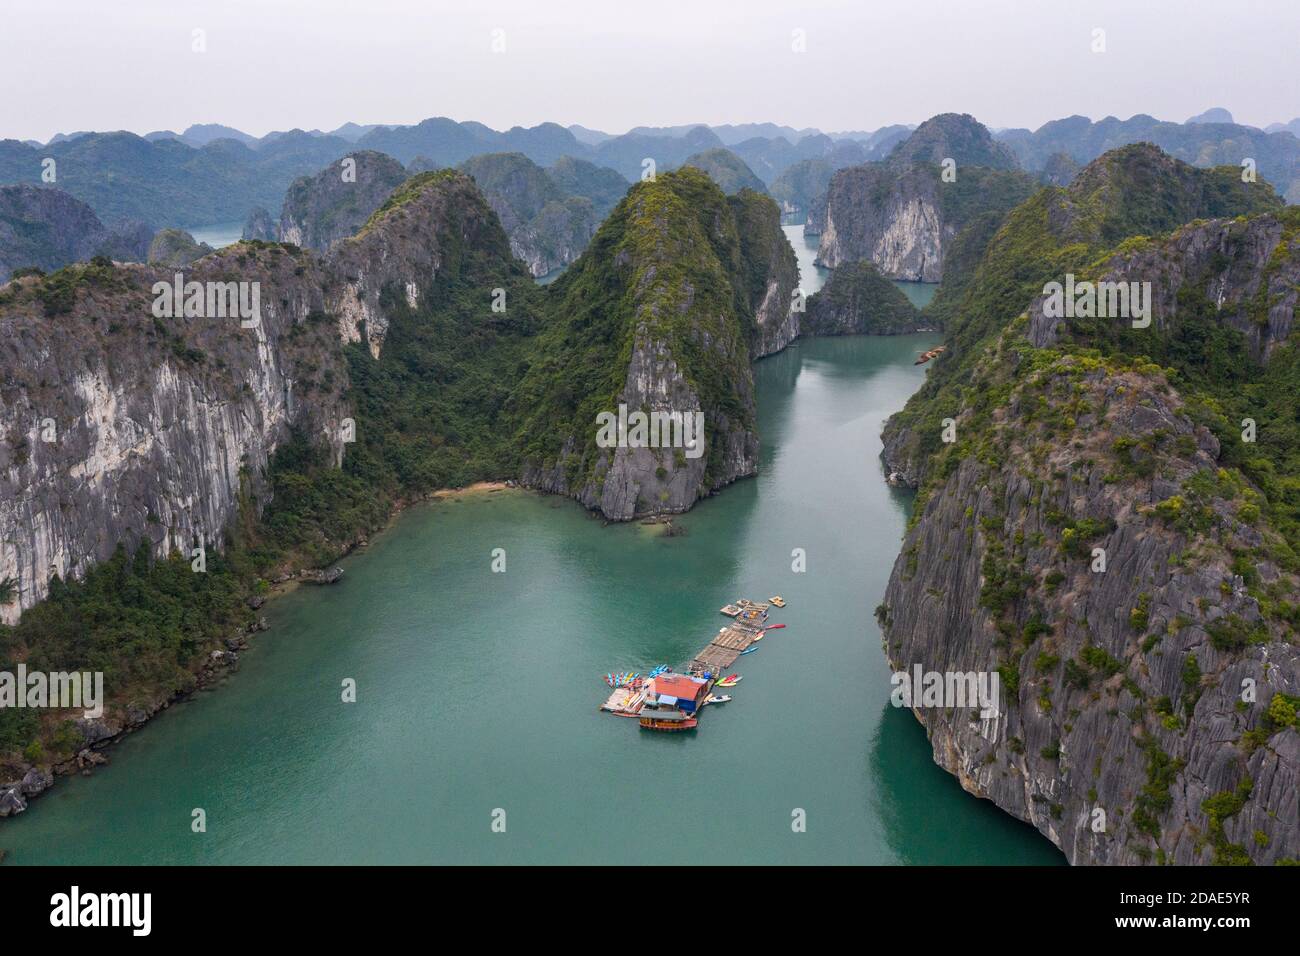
749 620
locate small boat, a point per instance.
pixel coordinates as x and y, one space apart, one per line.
748 650
731 681
669 724
776 601
774 627
758 637
717 699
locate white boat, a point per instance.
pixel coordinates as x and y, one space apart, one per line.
716 699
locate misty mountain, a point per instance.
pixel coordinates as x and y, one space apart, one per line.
1276 154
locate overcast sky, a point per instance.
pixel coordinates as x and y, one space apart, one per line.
611 64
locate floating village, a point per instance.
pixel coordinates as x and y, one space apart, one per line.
668 701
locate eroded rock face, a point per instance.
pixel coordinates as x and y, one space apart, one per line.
675 259
1230 257
1150 699
763 242
902 214
327 207
138 427
902 232
404 247
47 228
551 214
1122 708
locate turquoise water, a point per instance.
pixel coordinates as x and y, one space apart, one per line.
918 293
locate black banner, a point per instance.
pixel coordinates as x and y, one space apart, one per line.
928 905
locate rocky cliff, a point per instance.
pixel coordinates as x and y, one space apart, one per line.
1100 533
1001 262
902 214
332 204
549 218
46 228
119 425
662 314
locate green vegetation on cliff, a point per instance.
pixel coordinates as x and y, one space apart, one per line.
858 300
1135 191
669 268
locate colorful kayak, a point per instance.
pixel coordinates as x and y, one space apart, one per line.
758 636
717 699
775 627
748 650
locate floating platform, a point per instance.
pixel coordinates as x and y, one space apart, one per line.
625 702
749 621
723 650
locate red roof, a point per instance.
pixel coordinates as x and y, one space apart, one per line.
677 685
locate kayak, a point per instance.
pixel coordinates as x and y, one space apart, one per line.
775 627
716 699
748 650
758 636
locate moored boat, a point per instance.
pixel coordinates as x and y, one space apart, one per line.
667 720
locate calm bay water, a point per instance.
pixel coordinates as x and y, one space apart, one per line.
477 691
220 235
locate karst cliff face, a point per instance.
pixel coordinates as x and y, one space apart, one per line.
679 290
119 425
1102 536
330 205
549 214
45 227
903 213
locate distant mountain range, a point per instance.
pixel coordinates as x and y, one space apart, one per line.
1204 140
212 173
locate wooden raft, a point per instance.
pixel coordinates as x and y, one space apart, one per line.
723 650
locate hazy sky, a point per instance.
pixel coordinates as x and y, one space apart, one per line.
278 64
